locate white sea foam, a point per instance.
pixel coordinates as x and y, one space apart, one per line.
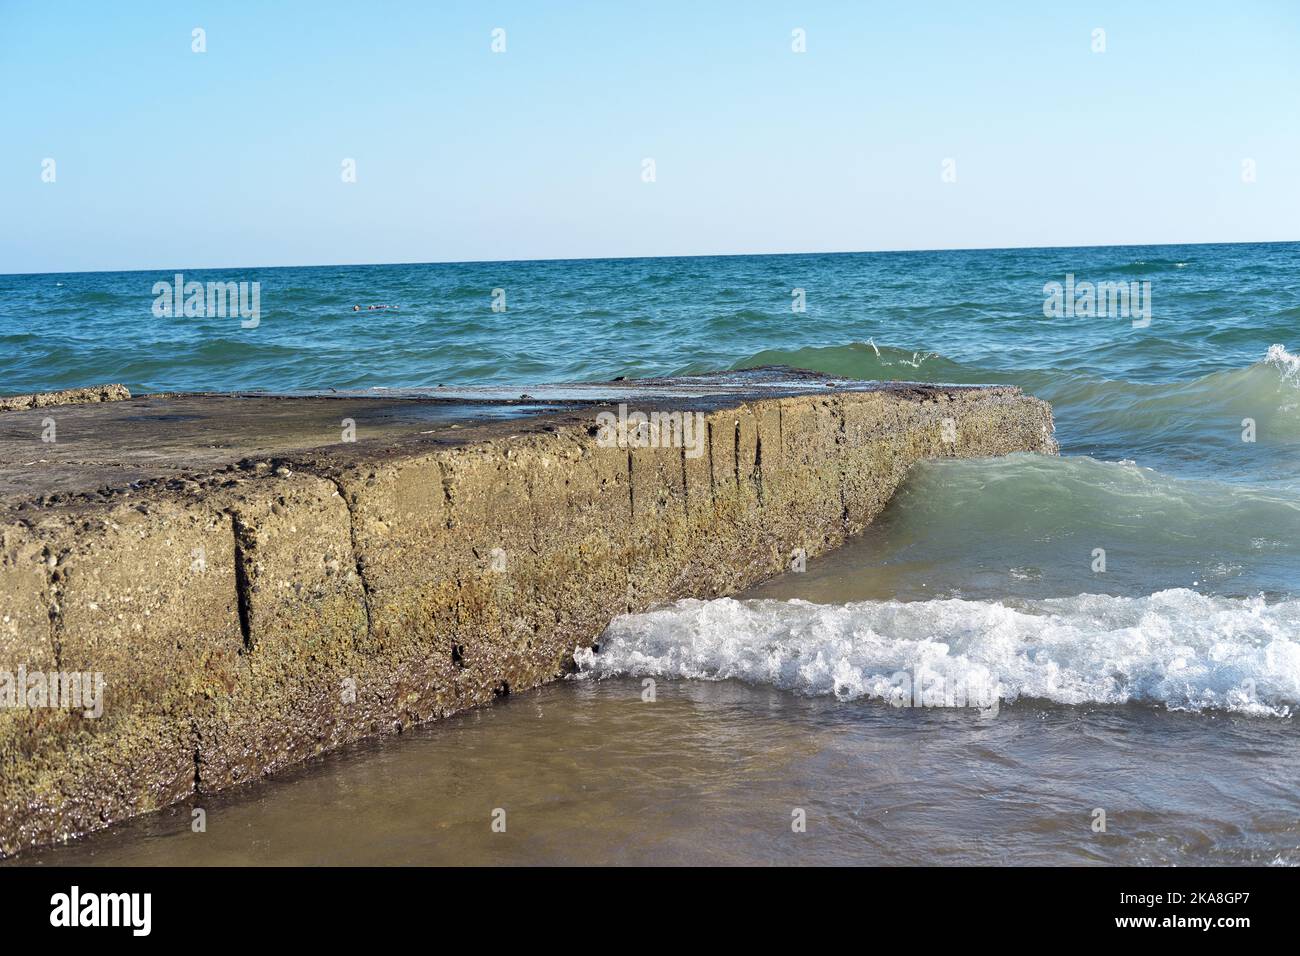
1286 362
1175 648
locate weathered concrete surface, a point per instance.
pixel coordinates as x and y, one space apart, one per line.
257 590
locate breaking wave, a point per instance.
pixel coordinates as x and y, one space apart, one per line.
1175 649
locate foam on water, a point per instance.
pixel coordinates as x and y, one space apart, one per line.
1176 648
1286 362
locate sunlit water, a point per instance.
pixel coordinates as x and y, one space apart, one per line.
1131 609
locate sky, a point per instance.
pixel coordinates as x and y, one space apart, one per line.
164 157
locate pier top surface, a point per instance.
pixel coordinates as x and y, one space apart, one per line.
116 441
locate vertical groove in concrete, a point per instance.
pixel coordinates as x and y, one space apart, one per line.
447 493
49 560
780 430
735 455
841 442
357 562
197 734
686 491
713 490
631 489
242 539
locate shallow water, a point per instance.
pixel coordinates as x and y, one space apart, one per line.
712 773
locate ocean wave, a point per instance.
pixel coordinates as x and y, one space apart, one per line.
1176 649
1286 363
871 362
1027 525
1208 408
1267 391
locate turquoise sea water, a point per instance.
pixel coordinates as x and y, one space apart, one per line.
1215 309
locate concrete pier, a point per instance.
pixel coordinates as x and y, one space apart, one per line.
259 579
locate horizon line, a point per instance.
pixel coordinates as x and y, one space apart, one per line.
710 255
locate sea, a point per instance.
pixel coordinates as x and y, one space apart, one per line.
1085 659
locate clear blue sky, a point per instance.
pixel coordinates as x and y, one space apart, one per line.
171 159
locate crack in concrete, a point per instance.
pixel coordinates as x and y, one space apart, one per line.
446 491
243 542
55 592
735 455
198 753
780 431
713 491
686 491
631 489
357 561
841 444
